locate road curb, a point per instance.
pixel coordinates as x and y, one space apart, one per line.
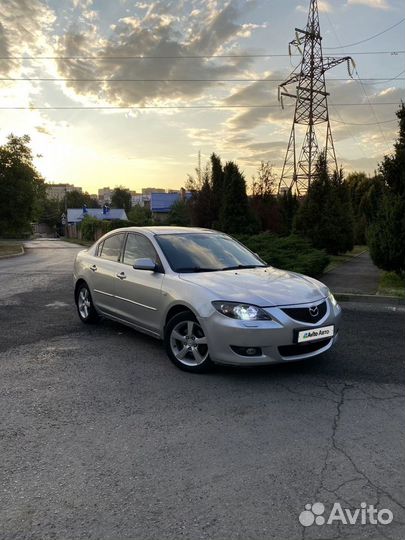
369 298
22 252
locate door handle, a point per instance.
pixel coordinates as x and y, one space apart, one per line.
93 267
121 275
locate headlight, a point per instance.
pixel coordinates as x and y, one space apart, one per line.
244 312
332 299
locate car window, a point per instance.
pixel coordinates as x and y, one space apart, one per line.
111 247
138 247
201 252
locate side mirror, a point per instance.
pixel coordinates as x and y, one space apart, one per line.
145 264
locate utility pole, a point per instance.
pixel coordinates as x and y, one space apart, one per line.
311 107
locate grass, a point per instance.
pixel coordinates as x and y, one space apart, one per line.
337 260
8 249
391 284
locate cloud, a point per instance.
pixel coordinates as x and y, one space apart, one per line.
272 151
257 94
24 29
43 130
163 31
376 4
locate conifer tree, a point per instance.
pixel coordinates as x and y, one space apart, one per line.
386 236
325 215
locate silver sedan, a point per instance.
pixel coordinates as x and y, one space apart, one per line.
209 298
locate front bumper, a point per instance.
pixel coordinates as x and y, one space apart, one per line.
273 337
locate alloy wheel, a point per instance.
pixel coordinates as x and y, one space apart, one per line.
84 303
188 343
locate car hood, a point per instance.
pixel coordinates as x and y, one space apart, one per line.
263 287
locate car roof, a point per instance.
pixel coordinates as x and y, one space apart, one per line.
162 229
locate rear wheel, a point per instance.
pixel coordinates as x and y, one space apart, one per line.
84 304
186 343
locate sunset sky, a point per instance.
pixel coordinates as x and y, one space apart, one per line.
158 147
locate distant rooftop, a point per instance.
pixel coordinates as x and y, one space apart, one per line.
162 202
75 215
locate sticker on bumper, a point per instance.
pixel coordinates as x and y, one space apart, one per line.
315 333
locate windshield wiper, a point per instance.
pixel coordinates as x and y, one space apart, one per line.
197 269
240 266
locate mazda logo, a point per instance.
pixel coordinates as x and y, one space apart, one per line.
314 311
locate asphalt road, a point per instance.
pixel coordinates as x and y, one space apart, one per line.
103 438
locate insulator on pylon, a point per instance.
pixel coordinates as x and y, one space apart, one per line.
298 41
351 66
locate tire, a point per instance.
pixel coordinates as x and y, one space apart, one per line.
186 343
84 304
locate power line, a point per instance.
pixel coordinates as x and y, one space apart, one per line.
134 107
367 39
372 108
396 78
145 57
362 124
362 87
68 79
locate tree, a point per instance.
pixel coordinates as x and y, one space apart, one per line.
288 205
77 199
365 194
121 198
201 210
140 216
21 187
235 215
386 235
50 212
217 187
263 200
179 214
325 216
264 184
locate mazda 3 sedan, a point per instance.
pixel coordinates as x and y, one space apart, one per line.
209 298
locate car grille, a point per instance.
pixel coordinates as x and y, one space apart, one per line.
303 348
303 314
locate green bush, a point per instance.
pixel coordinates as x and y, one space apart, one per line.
140 216
179 214
88 227
116 224
289 253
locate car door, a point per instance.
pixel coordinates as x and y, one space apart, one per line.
104 269
138 292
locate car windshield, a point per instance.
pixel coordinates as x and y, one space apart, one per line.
199 252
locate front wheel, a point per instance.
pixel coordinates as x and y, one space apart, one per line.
84 304
186 343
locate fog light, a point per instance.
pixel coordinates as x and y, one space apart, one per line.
247 351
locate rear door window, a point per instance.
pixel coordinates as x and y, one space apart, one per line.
111 248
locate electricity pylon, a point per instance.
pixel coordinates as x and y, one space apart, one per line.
311 106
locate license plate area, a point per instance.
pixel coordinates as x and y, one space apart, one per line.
307 335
